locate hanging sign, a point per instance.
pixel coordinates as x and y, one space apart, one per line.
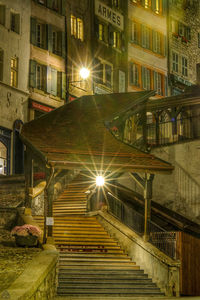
109 15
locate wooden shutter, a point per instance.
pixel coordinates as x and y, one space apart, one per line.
131 73
32 73
53 82
63 12
33 30
63 86
110 35
63 44
48 79
50 3
49 38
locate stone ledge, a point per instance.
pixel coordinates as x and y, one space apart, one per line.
27 284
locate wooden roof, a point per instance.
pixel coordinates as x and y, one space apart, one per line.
76 136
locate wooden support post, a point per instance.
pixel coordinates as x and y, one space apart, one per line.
48 204
147 199
27 173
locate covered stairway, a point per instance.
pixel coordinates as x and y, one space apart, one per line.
78 136
91 261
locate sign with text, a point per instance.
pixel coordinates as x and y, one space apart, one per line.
109 15
49 221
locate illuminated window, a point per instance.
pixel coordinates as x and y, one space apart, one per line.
1 65
155 5
157 83
103 32
135 32
73 26
15 22
41 35
134 74
2 14
80 29
41 77
116 3
103 73
146 78
14 72
77 27
116 39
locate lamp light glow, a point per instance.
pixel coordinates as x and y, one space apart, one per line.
84 73
100 181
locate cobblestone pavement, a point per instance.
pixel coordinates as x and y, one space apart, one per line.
13 259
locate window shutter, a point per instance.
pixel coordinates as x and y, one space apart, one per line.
48 79
143 78
154 41
155 80
63 7
54 82
143 35
153 5
63 86
63 44
164 7
33 31
50 3
96 27
49 38
143 2
131 73
110 36
166 86
32 74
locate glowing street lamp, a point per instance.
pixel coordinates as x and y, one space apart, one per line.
100 180
84 73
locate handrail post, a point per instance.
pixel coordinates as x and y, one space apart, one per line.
147 197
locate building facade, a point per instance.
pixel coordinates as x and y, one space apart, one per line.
47 74
147 47
184 44
109 46
14 70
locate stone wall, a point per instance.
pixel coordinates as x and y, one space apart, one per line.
180 191
163 270
38 281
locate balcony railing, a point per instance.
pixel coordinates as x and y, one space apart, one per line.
173 131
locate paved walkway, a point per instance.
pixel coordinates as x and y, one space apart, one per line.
127 298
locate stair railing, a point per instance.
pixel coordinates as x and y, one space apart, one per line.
159 237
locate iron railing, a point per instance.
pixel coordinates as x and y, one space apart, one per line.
173 131
125 213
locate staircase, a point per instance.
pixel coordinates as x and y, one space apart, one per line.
92 263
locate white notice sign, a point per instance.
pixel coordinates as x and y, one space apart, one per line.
49 221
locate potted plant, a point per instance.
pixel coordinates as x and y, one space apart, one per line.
26 235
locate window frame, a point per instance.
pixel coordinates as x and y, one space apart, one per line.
14 64
15 22
2 14
175 62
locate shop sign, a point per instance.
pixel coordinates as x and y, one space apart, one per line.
109 15
41 107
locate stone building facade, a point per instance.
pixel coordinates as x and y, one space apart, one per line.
184 44
147 46
14 70
47 74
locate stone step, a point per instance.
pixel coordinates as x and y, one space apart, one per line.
99 273
95 259
108 285
111 290
88 255
98 267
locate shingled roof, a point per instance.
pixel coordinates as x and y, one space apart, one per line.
75 136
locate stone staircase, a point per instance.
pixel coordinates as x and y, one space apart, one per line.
91 262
